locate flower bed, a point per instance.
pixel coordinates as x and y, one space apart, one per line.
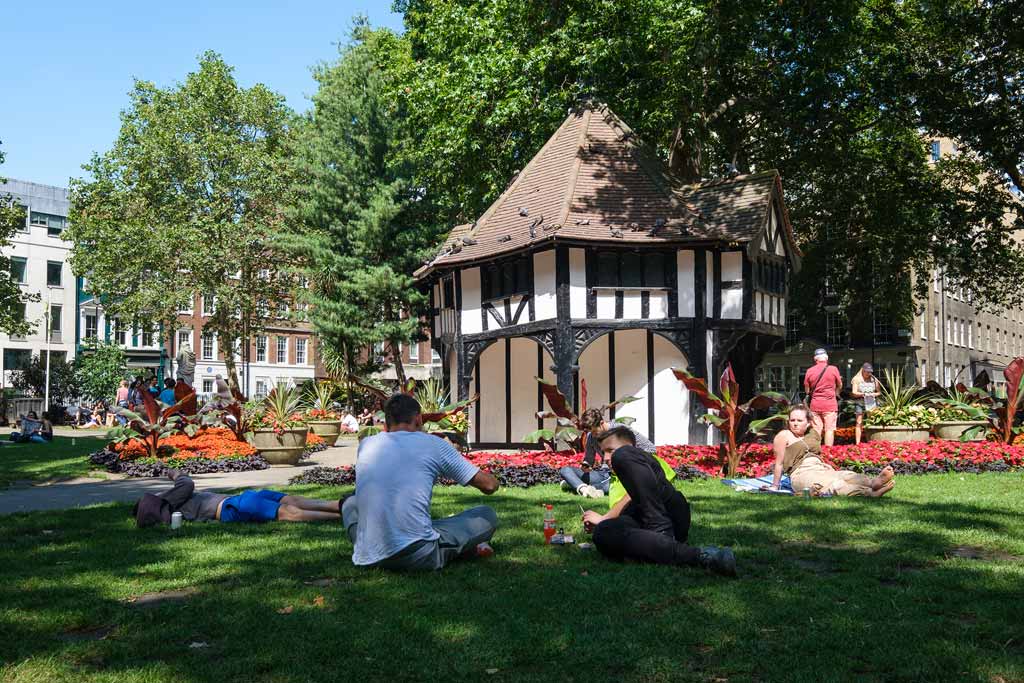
210 450
524 469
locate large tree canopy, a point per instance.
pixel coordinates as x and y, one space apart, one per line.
189 200
816 90
361 227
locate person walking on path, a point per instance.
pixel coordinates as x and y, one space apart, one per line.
388 518
864 389
822 383
653 522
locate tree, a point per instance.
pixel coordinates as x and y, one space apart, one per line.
99 369
711 84
358 225
32 379
195 184
12 299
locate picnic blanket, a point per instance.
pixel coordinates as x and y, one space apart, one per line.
754 485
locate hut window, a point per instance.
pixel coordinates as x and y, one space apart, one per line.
630 269
507 278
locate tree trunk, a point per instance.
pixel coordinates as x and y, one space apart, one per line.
396 357
230 368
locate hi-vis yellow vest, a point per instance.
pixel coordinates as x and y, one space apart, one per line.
616 490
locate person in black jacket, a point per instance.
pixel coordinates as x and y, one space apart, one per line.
248 506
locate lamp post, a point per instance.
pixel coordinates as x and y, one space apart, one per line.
49 308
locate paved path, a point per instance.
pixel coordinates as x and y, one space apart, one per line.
93 491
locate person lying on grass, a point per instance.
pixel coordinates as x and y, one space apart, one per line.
797 453
248 506
388 518
591 480
651 522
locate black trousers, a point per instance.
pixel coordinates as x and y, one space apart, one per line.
654 525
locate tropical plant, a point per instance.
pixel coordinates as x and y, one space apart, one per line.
431 394
154 423
998 414
568 432
319 399
280 410
900 405
730 416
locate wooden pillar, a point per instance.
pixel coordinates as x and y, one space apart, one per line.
698 344
564 340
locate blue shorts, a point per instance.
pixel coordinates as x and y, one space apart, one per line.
252 506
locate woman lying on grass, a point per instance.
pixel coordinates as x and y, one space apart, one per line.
797 453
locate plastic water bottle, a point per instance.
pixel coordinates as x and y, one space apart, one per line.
549 523
176 520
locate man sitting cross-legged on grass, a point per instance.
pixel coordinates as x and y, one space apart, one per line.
652 521
248 506
388 518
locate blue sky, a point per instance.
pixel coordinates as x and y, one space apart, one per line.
66 66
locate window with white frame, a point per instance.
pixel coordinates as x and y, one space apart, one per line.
282 349
936 371
963 333
935 280
835 329
184 337
91 325
937 331
207 350
923 325
147 337
207 385
300 351
924 372
262 387
949 330
988 338
414 352
209 301
970 334
261 349
948 376
120 332
435 357
186 307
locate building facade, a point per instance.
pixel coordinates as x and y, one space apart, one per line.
597 265
39 259
282 352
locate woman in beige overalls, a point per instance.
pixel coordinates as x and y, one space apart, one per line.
797 453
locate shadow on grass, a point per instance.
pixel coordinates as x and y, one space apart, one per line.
842 579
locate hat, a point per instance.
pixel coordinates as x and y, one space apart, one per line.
820 352
867 366
152 510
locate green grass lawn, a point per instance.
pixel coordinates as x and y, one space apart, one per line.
830 590
62 457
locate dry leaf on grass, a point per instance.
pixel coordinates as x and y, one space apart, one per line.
286 610
318 601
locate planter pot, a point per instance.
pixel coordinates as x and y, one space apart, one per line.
328 430
895 434
952 431
280 449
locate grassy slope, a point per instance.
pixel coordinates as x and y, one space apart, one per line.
39 462
831 590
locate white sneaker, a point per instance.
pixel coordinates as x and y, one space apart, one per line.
588 491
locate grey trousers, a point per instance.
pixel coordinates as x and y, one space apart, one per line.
460 534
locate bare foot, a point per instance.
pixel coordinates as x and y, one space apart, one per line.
883 478
878 493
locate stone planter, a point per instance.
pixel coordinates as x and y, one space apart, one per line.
280 449
952 431
328 430
896 434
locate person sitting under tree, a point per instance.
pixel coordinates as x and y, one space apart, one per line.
388 518
798 454
651 523
248 506
591 480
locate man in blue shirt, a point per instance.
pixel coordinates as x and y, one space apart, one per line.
167 395
388 518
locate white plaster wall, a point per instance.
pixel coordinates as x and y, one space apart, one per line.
632 307
471 301
631 375
671 399
578 283
524 386
780 248
435 331
491 412
732 304
594 369
658 307
732 266
544 285
782 312
709 287
685 283
605 304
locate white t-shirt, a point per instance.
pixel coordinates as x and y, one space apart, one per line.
350 422
395 475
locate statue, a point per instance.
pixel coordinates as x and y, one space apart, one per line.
186 361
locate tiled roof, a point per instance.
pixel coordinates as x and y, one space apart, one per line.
594 181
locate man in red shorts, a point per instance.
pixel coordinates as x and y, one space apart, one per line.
822 383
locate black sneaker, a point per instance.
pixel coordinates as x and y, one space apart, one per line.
718 560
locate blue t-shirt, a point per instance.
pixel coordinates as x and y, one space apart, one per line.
395 475
167 396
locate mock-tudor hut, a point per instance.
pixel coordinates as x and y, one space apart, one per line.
597 264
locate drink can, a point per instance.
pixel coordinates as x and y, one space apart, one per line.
807 493
176 520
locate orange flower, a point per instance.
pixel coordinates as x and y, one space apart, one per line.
209 443
313 440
